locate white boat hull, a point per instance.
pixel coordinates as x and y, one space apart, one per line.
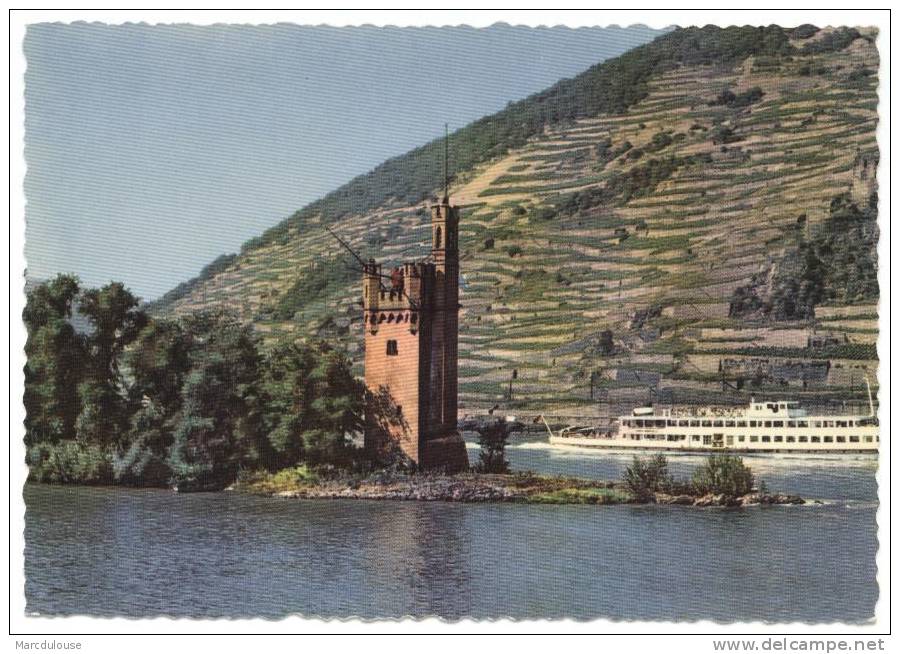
773 448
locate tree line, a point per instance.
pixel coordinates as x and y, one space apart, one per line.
190 402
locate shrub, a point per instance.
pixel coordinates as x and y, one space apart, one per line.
545 213
723 474
644 477
660 140
69 462
492 437
804 31
288 479
140 464
724 135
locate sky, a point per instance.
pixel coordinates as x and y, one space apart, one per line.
151 150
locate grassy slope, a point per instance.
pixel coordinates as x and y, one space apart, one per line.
551 182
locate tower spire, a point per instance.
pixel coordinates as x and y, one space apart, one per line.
446 168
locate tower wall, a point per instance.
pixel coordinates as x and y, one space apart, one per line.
394 382
444 351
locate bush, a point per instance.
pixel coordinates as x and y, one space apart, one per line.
644 477
729 99
723 474
804 31
288 479
724 135
140 464
492 438
69 462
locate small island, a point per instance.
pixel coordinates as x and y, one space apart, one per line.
723 480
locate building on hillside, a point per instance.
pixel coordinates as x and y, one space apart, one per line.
411 322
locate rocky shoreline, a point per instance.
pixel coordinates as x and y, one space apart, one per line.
521 488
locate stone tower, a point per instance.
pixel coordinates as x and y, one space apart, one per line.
411 322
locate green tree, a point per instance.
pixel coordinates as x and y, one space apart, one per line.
644 477
115 321
157 363
219 426
492 438
54 354
313 402
723 474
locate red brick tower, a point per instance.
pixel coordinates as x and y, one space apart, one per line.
411 339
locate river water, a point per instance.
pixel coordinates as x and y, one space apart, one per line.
144 553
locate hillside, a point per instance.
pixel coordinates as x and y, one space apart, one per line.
663 223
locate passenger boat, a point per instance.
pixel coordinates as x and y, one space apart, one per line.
764 427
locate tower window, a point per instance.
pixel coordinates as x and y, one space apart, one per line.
392 348
437 238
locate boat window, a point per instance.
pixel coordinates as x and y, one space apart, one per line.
707 423
817 423
740 439
841 423
627 423
841 439
804 439
791 423
695 423
671 437
766 439
707 439
768 423
695 438
754 439
790 439
829 423
778 423
868 439
814 439
659 423
717 423
753 423
682 423
803 423
828 439
854 439
741 423
779 439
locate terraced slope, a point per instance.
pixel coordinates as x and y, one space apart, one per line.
604 251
